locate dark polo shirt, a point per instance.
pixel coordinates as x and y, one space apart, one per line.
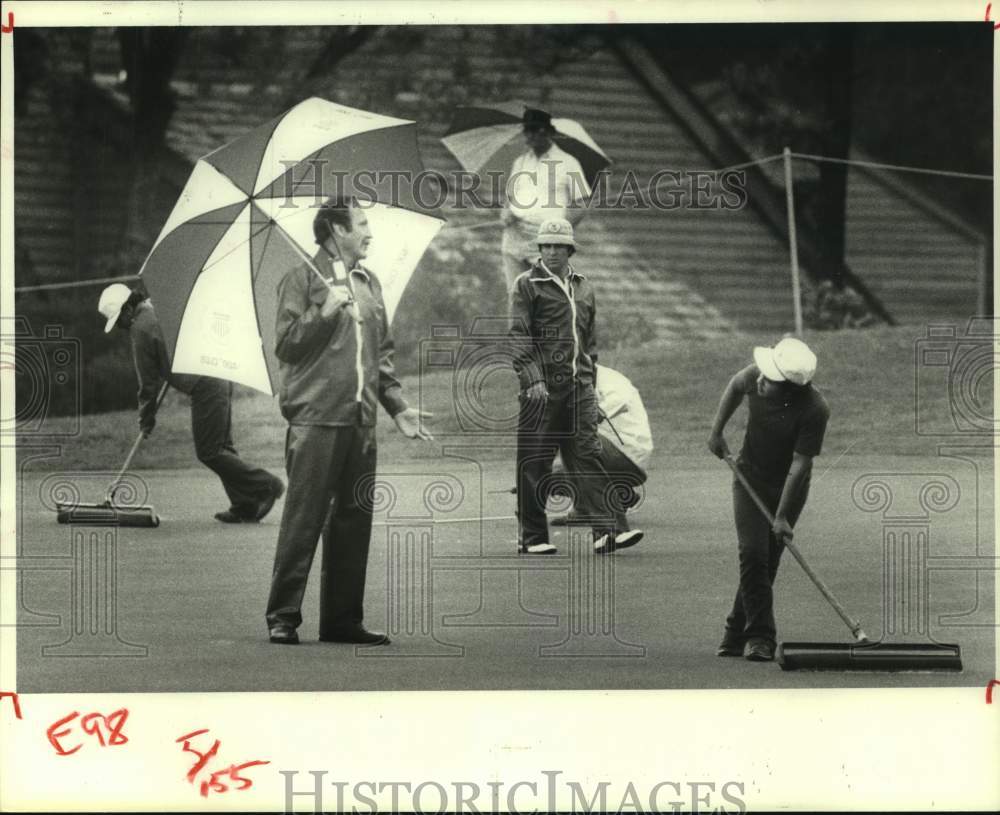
779 428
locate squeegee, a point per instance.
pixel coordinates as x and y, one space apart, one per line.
108 513
862 654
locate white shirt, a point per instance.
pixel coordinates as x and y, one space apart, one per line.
541 187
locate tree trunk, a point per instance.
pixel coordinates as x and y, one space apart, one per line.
831 203
149 57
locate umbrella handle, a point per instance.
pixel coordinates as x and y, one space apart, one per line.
621 409
353 307
606 418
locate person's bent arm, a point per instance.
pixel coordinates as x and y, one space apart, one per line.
303 326
591 337
525 356
147 369
731 398
390 392
797 475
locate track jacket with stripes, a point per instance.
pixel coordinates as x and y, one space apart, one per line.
334 370
552 329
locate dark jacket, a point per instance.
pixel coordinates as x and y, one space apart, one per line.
152 363
552 329
323 377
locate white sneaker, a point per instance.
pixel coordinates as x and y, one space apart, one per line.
625 539
605 544
537 549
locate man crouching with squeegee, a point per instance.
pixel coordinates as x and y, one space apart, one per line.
785 427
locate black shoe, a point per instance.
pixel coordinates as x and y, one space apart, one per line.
760 650
283 635
265 506
730 648
358 635
230 516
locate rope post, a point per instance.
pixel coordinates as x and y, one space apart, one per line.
984 307
793 246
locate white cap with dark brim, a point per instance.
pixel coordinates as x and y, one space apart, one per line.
113 299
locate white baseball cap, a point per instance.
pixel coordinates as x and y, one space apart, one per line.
790 360
111 302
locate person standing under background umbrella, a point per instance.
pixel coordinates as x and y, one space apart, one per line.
545 182
252 490
335 352
552 179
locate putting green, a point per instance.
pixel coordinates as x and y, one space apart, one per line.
466 612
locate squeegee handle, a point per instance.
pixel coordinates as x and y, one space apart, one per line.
854 625
113 487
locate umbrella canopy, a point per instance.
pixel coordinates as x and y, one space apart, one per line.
489 137
244 219
627 425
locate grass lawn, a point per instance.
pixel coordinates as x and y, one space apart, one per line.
497 618
868 378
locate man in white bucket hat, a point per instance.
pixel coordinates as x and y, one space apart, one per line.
785 428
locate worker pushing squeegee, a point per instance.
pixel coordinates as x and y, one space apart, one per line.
252 491
785 428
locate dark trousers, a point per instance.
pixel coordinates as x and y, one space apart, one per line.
212 429
753 609
331 473
626 478
565 423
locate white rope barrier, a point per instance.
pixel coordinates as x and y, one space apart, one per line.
75 284
900 167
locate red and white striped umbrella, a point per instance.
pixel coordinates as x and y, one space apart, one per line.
244 219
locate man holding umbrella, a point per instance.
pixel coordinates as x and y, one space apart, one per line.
545 182
252 491
335 352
